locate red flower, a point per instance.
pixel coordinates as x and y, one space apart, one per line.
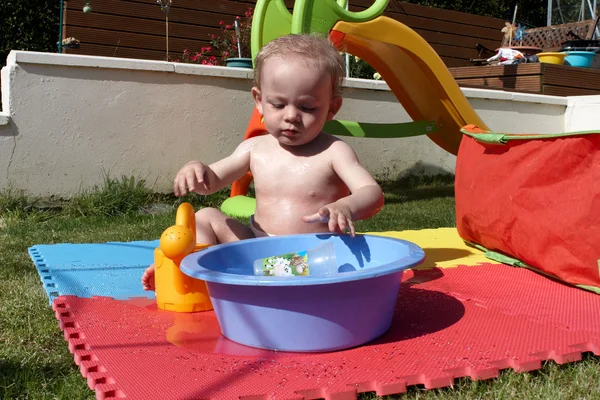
224 43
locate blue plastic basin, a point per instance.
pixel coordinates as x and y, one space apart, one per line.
305 314
582 59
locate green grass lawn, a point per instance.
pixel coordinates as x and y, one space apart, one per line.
34 359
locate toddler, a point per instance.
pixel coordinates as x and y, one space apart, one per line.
306 181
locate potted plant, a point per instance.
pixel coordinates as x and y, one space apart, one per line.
234 41
233 44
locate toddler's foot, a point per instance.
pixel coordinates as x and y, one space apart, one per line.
148 278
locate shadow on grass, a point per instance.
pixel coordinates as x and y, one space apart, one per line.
399 195
418 187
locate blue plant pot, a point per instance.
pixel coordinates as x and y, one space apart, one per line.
581 59
239 62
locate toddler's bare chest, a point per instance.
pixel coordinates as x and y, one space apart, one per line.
312 177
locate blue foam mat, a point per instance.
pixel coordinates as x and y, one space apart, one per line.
110 269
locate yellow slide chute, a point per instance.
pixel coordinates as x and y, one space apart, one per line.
414 72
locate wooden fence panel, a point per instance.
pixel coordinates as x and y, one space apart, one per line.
136 28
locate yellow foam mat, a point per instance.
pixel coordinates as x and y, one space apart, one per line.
443 247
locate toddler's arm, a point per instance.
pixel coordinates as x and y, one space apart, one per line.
365 200
198 177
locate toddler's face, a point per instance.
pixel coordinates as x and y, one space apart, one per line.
295 100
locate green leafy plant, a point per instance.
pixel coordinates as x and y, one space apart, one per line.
27 26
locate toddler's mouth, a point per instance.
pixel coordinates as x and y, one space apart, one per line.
289 132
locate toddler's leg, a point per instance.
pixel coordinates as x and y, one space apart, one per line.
212 227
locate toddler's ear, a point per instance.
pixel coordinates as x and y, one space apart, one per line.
256 95
334 107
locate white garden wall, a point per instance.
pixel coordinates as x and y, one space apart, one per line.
67 120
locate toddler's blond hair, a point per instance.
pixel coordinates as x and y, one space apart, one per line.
315 51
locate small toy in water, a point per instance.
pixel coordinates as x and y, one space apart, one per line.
319 260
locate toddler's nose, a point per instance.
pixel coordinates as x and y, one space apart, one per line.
292 114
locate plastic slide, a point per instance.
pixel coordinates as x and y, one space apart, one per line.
414 72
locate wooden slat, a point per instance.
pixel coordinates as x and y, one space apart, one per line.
527 83
454 62
562 75
456 40
415 10
144 26
133 40
556 80
225 6
447 27
150 11
496 70
435 13
568 91
444 50
179 7
121 52
440 14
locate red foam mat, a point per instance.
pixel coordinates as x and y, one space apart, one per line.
451 323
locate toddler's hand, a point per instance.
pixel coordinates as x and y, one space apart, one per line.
192 176
338 218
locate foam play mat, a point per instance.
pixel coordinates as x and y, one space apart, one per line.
114 269
472 320
110 269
